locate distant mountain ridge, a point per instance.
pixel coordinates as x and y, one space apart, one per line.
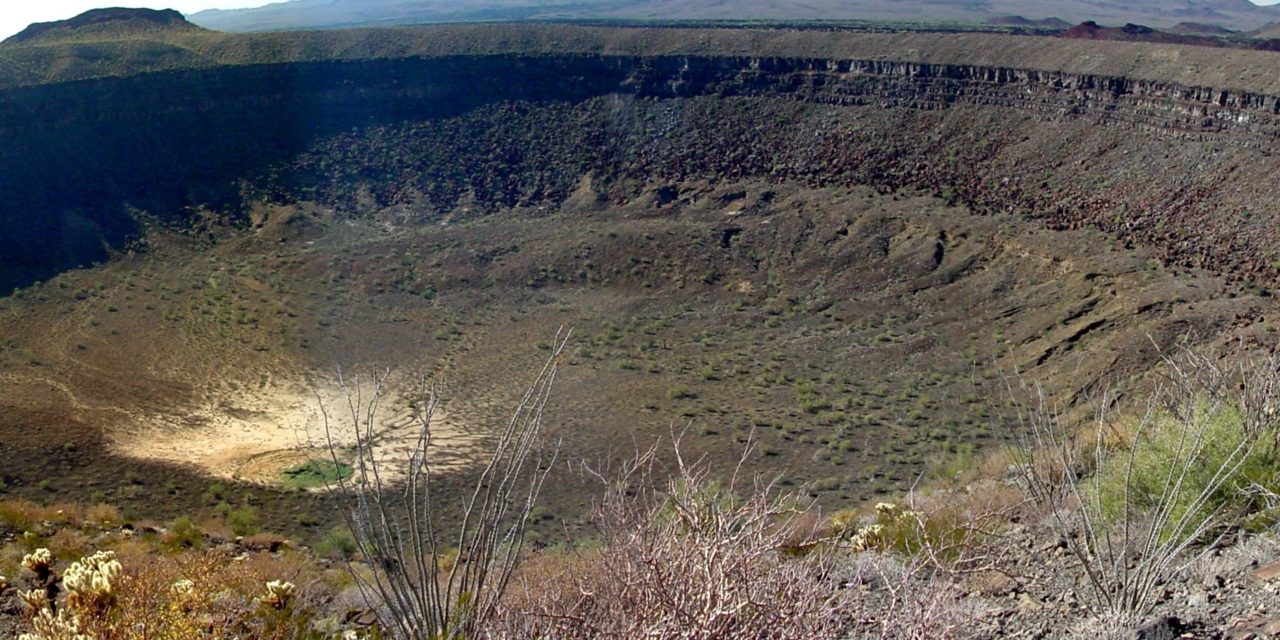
1266 31
1019 21
324 14
100 24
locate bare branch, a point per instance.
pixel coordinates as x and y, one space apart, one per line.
391 510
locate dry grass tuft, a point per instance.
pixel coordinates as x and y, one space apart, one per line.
103 515
67 544
21 515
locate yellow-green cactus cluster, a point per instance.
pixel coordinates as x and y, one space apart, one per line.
48 626
889 518
868 537
844 523
279 594
90 578
34 598
87 581
38 561
183 588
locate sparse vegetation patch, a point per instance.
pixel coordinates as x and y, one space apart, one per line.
317 473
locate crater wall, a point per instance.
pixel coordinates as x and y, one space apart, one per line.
1182 167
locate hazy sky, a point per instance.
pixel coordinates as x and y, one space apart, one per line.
16 15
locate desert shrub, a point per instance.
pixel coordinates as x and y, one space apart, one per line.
132 593
68 544
909 532
1193 466
25 515
243 520
20 515
906 598
959 467
216 492
103 515
696 558
688 558
681 392
1133 497
183 533
338 543
63 513
814 404
949 531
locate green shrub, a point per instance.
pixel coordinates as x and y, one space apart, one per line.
243 520
954 467
680 392
216 492
316 473
941 533
338 544
814 405
184 533
540 514
1178 461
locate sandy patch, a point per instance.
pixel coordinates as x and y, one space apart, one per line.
256 434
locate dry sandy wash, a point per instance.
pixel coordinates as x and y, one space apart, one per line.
256 435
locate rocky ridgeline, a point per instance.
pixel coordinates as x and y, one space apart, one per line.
1171 108
1183 169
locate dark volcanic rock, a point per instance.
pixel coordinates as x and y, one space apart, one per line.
1167 628
1091 30
1019 21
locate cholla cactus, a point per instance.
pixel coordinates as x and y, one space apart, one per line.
844 523
887 509
47 626
37 599
868 537
892 522
279 594
38 562
182 588
89 580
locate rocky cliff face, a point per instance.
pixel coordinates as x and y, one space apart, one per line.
1172 109
1185 169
